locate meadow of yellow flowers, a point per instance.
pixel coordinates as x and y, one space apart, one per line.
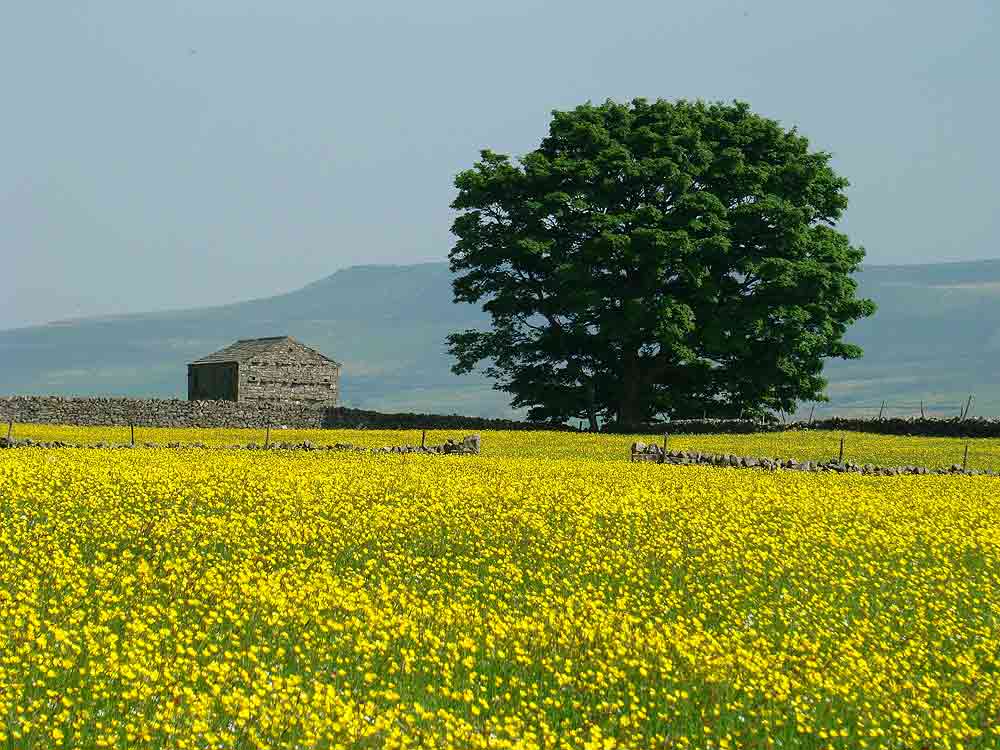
814 445
519 599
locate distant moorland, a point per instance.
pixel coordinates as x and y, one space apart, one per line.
936 336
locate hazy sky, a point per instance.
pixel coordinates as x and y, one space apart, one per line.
173 154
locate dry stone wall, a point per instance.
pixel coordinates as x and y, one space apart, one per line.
468 446
88 411
642 453
956 427
229 414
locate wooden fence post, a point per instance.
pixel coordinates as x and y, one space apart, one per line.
663 458
267 433
131 413
965 458
968 406
841 449
423 439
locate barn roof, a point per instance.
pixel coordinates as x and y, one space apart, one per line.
246 349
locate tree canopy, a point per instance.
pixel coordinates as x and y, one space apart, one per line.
665 259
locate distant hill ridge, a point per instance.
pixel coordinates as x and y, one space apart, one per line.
936 336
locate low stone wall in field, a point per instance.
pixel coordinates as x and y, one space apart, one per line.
86 411
229 414
916 426
469 446
954 427
642 453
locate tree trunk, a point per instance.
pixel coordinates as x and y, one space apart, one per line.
630 409
591 407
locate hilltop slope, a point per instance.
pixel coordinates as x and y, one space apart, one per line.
386 324
936 336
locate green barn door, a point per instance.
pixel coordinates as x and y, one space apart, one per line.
229 381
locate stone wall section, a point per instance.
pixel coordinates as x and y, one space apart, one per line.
230 414
642 453
259 413
468 446
955 427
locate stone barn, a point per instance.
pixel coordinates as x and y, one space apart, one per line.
274 369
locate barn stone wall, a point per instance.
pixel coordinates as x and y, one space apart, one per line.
290 374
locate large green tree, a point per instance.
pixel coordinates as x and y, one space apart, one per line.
656 259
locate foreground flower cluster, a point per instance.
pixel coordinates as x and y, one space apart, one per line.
217 599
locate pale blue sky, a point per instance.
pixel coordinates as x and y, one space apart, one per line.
173 154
